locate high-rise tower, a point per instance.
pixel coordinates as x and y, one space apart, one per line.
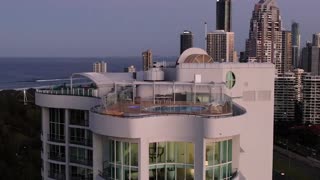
146 60
265 34
220 46
286 54
316 40
296 45
186 41
224 15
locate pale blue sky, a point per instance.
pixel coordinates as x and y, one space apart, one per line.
126 27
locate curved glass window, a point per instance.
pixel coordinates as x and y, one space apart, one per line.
171 161
123 160
230 80
219 160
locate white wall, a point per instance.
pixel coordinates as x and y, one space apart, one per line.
254 90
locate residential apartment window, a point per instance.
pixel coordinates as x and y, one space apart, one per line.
56 125
123 160
79 117
219 160
171 161
57 171
80 136
81 156
79 173
57 153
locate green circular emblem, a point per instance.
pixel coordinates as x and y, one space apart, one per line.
230 80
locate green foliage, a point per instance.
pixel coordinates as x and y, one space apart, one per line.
20 127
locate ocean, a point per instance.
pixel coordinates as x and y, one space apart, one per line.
20 73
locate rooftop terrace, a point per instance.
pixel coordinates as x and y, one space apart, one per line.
149 98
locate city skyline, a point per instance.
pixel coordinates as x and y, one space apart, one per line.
95 28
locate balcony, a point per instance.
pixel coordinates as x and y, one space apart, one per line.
87 92
56 138
79 122
57 175
166 98
80 178
147 107
81 141
57 156
83 161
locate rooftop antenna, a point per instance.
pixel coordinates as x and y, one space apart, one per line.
205 35
25 97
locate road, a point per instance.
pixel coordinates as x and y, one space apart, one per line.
293 169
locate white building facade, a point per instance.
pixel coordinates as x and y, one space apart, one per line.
200 120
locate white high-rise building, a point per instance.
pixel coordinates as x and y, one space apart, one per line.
198 120
311 99
285 97
265 34
100 67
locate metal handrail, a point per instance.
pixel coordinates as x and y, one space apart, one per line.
89 92
81 141
57 156
87 162
56 138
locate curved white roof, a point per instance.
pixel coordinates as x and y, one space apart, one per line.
190 51
101 79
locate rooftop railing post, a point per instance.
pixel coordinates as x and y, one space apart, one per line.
174 93
154 93
194 93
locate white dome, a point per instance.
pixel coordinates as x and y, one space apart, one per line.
190 51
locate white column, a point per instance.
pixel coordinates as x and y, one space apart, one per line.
143 159
199 159
97 156
66 133
45 132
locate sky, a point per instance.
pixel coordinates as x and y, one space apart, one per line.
101 28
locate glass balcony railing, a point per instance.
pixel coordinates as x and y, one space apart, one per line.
166 105
79 122
81 141
57 156
88 92
80 178
83 161
167 98
57 175
56 138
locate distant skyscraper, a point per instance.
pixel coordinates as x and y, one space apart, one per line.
220 46
265 34
243 58
296 45
311 102
223 15
100 67
147 60
316 40
284 97
307 57
186 41
311 56
286 54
